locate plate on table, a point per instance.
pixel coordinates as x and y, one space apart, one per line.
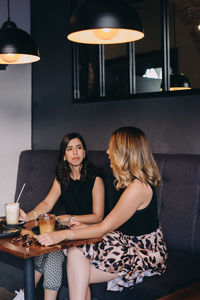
11 231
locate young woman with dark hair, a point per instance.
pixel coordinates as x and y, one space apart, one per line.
79 185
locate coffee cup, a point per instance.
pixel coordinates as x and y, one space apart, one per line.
46 223
12 213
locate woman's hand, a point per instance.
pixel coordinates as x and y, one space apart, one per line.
76 225
51 238
22 215
63 218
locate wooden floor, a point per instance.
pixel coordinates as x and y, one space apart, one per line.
6 295
191 292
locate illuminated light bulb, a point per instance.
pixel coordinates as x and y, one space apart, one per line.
179 88
10 57
198 27
106 33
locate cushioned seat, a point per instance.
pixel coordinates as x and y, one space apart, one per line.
182 269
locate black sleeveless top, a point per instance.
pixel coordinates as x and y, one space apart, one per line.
77 196
143 221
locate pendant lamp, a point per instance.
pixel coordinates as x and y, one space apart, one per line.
16 45
105 22
178 81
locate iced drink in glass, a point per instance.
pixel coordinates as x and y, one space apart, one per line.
12 213
46 223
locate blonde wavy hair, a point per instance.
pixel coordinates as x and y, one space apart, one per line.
131 157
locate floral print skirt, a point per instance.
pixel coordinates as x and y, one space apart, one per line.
131 257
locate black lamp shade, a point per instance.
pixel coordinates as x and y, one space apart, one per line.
16 41
179 81
117 18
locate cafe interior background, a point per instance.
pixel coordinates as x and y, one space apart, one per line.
40 102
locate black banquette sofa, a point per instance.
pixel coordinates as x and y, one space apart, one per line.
179 214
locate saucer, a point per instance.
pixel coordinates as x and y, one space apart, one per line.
20 224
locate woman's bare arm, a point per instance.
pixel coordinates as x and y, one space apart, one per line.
136 196
46 205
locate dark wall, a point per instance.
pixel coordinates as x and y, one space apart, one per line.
171 123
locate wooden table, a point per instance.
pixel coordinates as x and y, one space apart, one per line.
28 253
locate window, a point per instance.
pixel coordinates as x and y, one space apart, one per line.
119 71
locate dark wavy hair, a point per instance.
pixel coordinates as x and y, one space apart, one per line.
63 169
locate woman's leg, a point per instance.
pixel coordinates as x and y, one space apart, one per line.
80 274
50 294
53 270
39 262
88 295
97 275
38 275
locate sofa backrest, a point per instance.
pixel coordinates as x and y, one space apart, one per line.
178 195
179 200
37 170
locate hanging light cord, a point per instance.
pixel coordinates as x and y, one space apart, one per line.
8 5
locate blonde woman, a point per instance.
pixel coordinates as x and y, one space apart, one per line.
133 244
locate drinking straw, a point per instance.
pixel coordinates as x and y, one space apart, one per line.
20 193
